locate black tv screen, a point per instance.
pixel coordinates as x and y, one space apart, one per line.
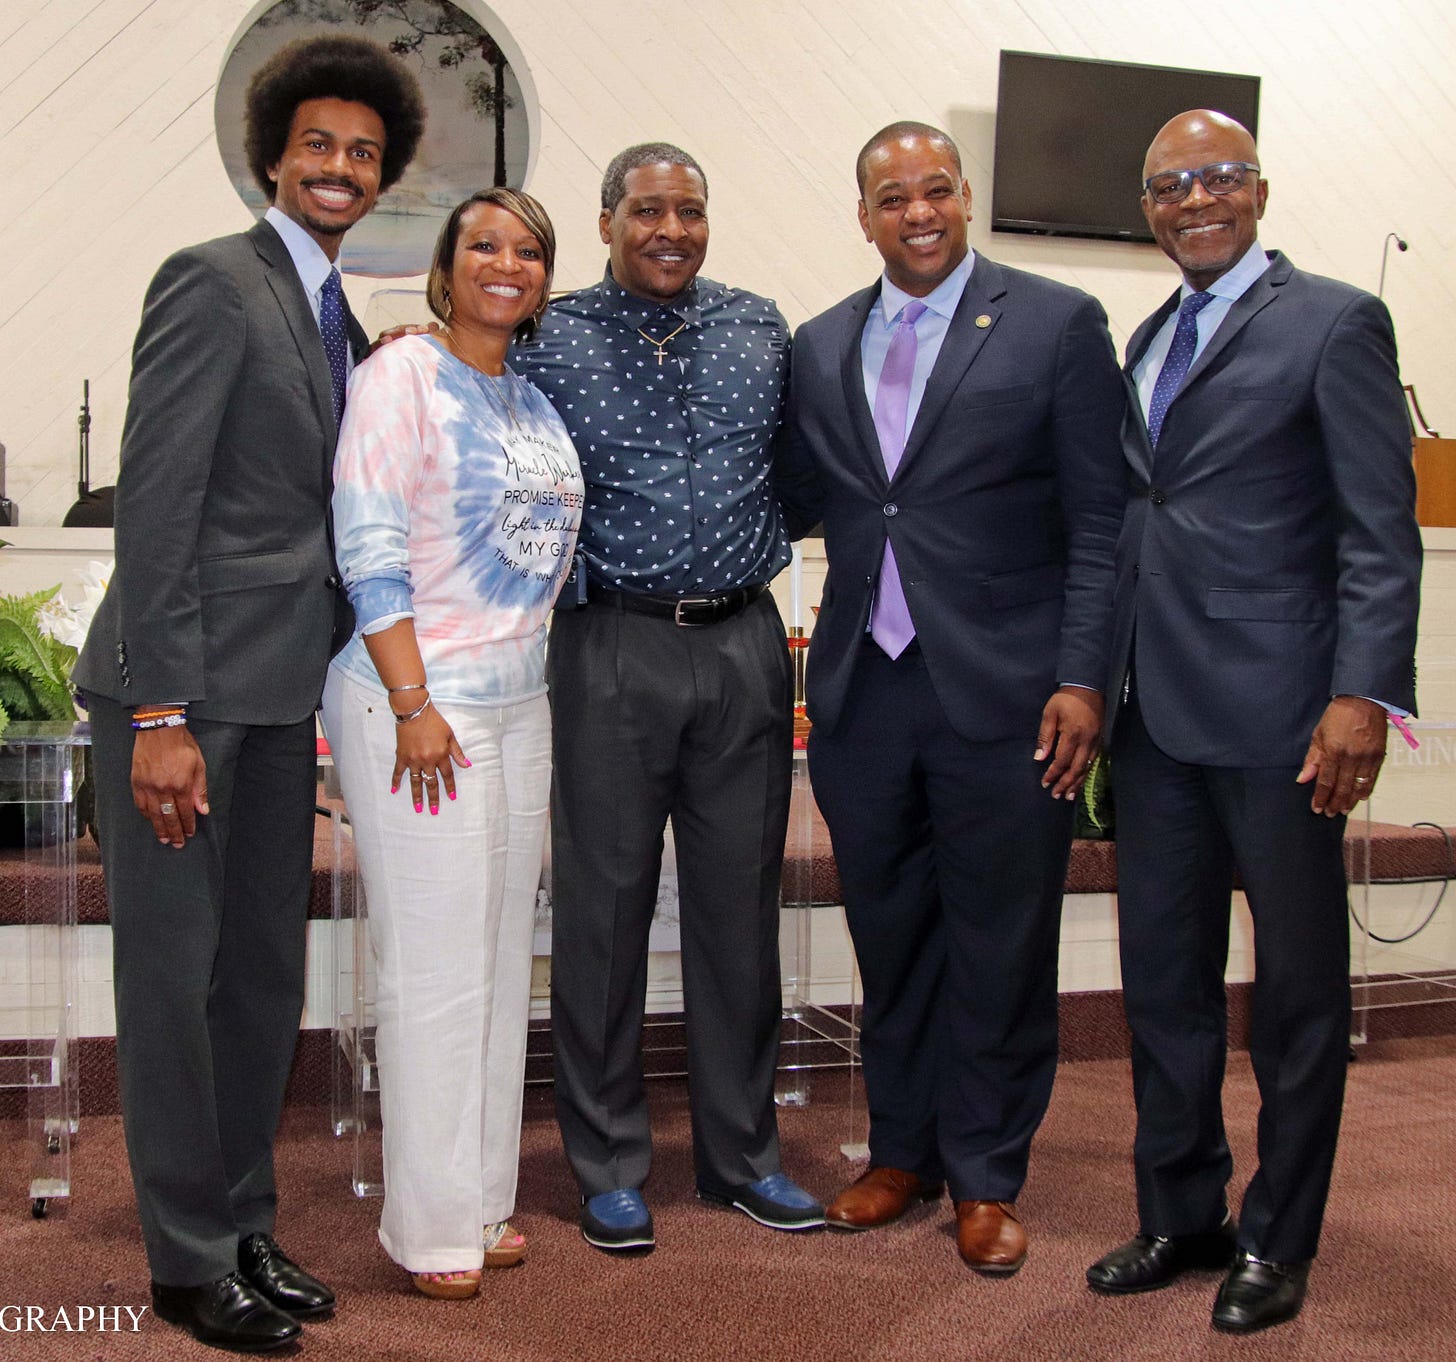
1071 135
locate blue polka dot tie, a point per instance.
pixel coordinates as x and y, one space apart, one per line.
1175 367
336 338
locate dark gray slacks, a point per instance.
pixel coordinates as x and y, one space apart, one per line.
652 722
208 951
952 860
1180 831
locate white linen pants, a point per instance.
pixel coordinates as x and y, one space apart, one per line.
451 909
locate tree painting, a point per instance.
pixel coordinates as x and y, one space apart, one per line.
433 31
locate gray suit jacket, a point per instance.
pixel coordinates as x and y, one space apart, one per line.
1269 558
225 593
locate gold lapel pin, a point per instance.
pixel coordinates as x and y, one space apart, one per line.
984 320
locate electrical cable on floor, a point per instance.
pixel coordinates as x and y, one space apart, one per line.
1442 880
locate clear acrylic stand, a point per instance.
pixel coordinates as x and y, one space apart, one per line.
41 766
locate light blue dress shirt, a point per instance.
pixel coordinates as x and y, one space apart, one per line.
1227 289
309 260
940 306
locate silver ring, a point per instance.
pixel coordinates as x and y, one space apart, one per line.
430 780
169 808
1362 780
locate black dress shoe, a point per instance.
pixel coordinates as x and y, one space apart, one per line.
1149 1261
227 1313
281 1280
1257 1294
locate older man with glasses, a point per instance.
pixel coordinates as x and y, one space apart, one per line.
1268 582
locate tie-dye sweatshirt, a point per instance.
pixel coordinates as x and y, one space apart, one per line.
456 501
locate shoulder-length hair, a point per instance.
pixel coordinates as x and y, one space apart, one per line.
532 217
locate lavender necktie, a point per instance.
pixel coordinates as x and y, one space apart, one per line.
890 623
336 338
1175 367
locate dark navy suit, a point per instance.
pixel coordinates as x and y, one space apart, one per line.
1003 514
1269 559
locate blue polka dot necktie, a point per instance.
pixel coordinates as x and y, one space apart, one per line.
336 338
1175 367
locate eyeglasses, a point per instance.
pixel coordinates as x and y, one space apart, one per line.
1173 186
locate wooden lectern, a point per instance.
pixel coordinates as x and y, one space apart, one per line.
1435 461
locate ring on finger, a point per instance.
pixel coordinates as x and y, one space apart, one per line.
1362 780
169 808
431 780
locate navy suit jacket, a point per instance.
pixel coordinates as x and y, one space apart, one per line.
1269 557
1003 512
225 592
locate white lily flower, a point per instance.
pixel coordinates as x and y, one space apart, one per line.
57 620
70 624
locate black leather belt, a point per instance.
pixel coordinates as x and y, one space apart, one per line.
689 612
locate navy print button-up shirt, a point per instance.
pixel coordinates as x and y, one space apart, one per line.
675 453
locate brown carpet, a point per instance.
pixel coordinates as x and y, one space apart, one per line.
719 1287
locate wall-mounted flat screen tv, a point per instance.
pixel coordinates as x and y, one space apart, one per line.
1071 135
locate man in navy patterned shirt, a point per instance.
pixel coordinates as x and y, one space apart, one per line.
671 699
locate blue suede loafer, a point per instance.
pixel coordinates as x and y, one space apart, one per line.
617 1221
774 1201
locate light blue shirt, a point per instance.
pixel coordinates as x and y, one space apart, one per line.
309 260
1227 289
940 306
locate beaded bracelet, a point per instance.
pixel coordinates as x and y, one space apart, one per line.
177 719
413 714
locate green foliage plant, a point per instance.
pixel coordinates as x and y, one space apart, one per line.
35 668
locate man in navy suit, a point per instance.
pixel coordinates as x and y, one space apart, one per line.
1268 583
955 426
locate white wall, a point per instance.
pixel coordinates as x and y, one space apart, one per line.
106 140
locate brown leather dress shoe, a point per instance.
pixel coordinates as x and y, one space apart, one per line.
876 1198
989 1236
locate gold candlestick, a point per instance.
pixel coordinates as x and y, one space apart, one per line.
799 655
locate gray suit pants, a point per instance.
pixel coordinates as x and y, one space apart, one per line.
651 722
208 948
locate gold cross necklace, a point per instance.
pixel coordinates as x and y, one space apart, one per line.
660 344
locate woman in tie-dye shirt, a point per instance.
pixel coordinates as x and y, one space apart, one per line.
456 505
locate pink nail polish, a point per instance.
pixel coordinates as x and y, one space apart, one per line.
394 789
419 806
465 763
451 793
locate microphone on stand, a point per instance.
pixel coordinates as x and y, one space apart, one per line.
1416 419
1401 244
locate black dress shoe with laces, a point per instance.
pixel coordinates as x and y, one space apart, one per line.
280 1280
1257 1293
227 1313
1148 1261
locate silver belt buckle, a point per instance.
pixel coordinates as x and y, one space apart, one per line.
677 610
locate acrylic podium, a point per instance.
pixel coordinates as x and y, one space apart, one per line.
40 773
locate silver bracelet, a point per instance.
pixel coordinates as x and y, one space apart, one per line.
413 714
395 690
